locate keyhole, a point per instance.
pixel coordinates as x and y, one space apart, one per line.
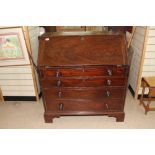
82 38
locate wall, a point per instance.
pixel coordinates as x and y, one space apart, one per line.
149 58
137 45
34 32
16 81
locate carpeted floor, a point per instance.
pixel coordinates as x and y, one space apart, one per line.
30 115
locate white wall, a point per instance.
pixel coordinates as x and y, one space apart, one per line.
16 81
34 32
149 59
137 45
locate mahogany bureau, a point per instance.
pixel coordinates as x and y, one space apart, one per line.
83 73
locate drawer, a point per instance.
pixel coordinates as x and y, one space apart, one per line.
82 82
84 105
84 71
84 93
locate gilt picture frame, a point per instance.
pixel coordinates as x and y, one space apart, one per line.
13 49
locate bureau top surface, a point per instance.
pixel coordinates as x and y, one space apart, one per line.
82 48
79 33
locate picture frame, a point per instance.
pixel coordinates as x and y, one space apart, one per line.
13 49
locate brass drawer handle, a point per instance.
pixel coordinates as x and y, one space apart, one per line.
108 82
109 72
61 106
60 94
58 83
107 93
41 73
107 106
58 74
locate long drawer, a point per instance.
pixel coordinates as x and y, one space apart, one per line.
84 105
84 71
84 93
82 82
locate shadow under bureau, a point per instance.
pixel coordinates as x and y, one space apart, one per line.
83 73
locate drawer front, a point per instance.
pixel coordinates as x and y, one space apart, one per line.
84 93
85 71
82 82
84 105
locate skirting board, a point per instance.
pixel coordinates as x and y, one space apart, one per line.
21 98
131 90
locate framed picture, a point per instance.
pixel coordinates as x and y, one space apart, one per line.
13 50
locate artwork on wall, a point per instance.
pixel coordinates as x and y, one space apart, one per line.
13 50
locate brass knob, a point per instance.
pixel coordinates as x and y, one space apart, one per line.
61 106
107 106
57 74
60 94
107 93
109 72
109 82
58 83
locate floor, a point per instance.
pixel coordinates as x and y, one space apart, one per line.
22 115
